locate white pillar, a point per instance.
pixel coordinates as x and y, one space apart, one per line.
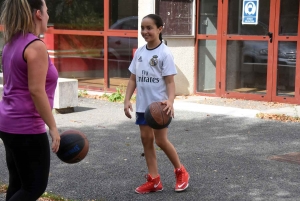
145 8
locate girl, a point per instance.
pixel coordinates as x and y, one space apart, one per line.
152 73
29 82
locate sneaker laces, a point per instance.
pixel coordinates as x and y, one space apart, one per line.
147 183
178 174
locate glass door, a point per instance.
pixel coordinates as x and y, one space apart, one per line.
259 46
246 44
208 48
286 41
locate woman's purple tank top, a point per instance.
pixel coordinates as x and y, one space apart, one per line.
18 114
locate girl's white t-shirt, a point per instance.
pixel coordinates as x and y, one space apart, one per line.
150 66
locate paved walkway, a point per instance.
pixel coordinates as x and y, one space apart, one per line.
230 106
234 107
226 152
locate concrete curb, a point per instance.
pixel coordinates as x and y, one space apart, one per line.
214 109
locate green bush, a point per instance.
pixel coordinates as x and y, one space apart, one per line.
82 93
117 96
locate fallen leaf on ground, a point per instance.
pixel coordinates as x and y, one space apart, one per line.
278 117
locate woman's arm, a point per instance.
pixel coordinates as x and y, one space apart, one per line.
37 61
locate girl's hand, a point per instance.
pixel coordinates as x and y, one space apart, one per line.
169 107
127 107
55 140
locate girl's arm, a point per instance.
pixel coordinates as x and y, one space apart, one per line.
129 91
171 94
37 61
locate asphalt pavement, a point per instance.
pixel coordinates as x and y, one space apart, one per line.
222 144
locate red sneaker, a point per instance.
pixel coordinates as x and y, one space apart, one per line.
182 179
152 185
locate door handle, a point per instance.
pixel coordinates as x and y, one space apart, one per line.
270 34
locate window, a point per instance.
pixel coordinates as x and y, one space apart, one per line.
123 14
77 14
178 17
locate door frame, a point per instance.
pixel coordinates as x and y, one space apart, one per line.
227 37
271 83
217 38
277 39
222 37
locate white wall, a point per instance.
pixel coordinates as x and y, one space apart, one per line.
145 8
183 50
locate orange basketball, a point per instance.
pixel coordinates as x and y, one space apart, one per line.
74 146
155 116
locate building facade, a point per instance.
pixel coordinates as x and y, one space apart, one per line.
226 48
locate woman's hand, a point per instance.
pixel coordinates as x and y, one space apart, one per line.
127 107
169 107
55 140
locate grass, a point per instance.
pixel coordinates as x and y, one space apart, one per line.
45 197
52 197
82 93
3 188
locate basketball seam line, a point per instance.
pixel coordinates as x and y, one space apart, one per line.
161 111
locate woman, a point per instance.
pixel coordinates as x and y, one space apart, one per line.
29 82
152 74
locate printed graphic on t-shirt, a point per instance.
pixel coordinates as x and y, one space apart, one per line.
140 59
146 78
153 61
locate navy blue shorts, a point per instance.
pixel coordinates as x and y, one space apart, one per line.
140 119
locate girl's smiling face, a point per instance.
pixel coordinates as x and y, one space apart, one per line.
150 31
